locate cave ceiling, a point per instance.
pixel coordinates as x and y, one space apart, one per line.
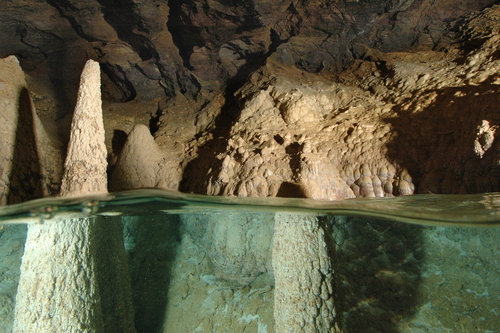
160 49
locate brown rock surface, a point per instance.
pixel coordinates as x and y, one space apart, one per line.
317 99
393 124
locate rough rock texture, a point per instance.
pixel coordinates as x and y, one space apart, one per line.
85 165
304 274
12 239
157 48
396 277
393 124
72 294
139 163
459 274
177 286
237 244
65 272
30 161
320 99
219 305
176 67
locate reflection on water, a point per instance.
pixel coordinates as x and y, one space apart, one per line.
200 264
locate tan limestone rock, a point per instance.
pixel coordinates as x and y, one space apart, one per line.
303 273
65 273
137 165
85 166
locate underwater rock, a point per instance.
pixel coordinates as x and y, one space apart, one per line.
65 271
199 301
12 239
303 274
237 243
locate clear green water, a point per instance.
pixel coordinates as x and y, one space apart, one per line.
427 263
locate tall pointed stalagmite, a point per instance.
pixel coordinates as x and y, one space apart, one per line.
85 165
74 276
303 275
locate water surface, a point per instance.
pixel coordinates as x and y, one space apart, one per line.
425 263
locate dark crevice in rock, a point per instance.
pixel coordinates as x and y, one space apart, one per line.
294 151
118 77
188 84
184 34
118 141
23 32
64 7
290 190
123 17
154 121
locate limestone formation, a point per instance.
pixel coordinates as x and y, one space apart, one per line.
85 165
304 295
237 244
158 49
137 165
65 271
392 124
30 161
265 109
329 100
139 161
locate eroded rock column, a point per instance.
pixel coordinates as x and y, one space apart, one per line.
303 274
74 276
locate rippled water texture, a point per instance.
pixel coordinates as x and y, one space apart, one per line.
425 263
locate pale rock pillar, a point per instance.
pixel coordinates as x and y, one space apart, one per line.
74 276
138 163
20 174
303 275
85 165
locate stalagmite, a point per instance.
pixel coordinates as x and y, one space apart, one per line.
73 274
20 178
303 275
137 164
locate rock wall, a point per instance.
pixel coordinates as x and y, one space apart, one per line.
329 101
393 124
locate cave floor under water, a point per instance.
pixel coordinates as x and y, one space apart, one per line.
425 263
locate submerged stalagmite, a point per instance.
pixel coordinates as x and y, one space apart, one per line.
65 271
303 274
